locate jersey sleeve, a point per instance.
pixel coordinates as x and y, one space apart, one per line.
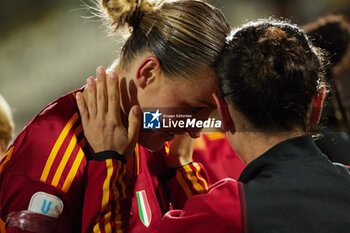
185 182
107 200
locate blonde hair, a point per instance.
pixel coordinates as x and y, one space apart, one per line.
6 121
185 35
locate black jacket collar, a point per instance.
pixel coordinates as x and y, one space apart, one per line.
299 148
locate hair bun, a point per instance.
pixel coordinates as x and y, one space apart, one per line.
331 33
121 13
275 34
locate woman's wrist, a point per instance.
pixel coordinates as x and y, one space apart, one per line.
108 154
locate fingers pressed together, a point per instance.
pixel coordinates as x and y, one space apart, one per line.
101 115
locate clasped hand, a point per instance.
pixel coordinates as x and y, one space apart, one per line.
100 113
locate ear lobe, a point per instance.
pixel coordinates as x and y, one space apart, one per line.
227 123
146 70
317 105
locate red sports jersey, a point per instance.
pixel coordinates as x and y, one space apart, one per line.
214 151
43 179
218 210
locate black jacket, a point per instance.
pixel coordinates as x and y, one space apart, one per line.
293 187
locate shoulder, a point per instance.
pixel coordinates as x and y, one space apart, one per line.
49 143
343 169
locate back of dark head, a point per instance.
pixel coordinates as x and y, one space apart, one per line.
269 72
331 33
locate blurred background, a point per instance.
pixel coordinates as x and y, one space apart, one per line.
48 49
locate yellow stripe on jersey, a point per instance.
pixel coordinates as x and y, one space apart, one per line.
2 226
7 157
193 178
57 146
73 171
97 228
216 136
106 184
137 155
167 148
199 177
183 184
66 157
108 228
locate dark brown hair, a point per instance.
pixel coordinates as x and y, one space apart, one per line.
185 35
332 34
269 72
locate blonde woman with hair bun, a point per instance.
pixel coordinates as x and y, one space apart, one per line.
170 45
6 126
166 62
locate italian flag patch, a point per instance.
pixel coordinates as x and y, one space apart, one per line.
144 209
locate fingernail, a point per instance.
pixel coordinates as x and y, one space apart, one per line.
100 71
113 75
78 96
136 110
89 81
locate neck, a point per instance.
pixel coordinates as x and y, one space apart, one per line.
250 146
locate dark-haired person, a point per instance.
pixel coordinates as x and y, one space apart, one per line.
271 96
167 61
332 33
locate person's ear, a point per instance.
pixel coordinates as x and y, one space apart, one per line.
147 70
222 106
317 105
